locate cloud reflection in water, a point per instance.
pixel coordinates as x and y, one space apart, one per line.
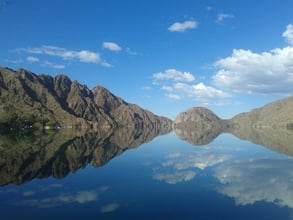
180 167
248 182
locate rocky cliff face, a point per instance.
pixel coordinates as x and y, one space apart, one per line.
60 101
278 113
198 125
270 126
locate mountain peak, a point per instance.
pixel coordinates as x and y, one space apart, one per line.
60 101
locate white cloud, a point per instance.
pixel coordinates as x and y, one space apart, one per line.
288 34
167 88
269 72
112 46
134 53
253 181
173 96
84 56
178 85
248 72
174 75
182 27
32 59
222 16
106 64
55 66
200 91
175 177
109 208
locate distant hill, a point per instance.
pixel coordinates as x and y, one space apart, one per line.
270 126
278 113
198 125
28 99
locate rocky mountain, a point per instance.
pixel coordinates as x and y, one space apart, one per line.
56 154
270 126
59 102
278 113
198 125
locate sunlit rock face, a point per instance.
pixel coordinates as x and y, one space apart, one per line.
198 125
66 103
275 114
270 126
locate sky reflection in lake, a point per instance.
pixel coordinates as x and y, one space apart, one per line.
165 178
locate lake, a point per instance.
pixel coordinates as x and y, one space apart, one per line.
146 175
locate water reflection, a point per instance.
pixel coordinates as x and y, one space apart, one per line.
61 199
250 180
181 167
258 180
225 179
24 158
276 138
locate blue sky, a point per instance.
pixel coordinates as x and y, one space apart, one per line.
164 55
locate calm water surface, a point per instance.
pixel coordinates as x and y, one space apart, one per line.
163 177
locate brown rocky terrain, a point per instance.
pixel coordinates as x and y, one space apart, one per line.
198 126
57 101
269 126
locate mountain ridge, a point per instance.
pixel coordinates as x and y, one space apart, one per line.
60 102
270 125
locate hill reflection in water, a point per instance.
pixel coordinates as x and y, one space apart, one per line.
56 154
275 138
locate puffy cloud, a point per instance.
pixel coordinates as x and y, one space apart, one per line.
167 88
112 46
174 75
84 56
53 65
182 27
222 16
177 84
173 96
268 180
263 73
200 91
32 59
175 177
288 34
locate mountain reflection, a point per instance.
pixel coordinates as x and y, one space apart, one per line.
276 138
24 158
